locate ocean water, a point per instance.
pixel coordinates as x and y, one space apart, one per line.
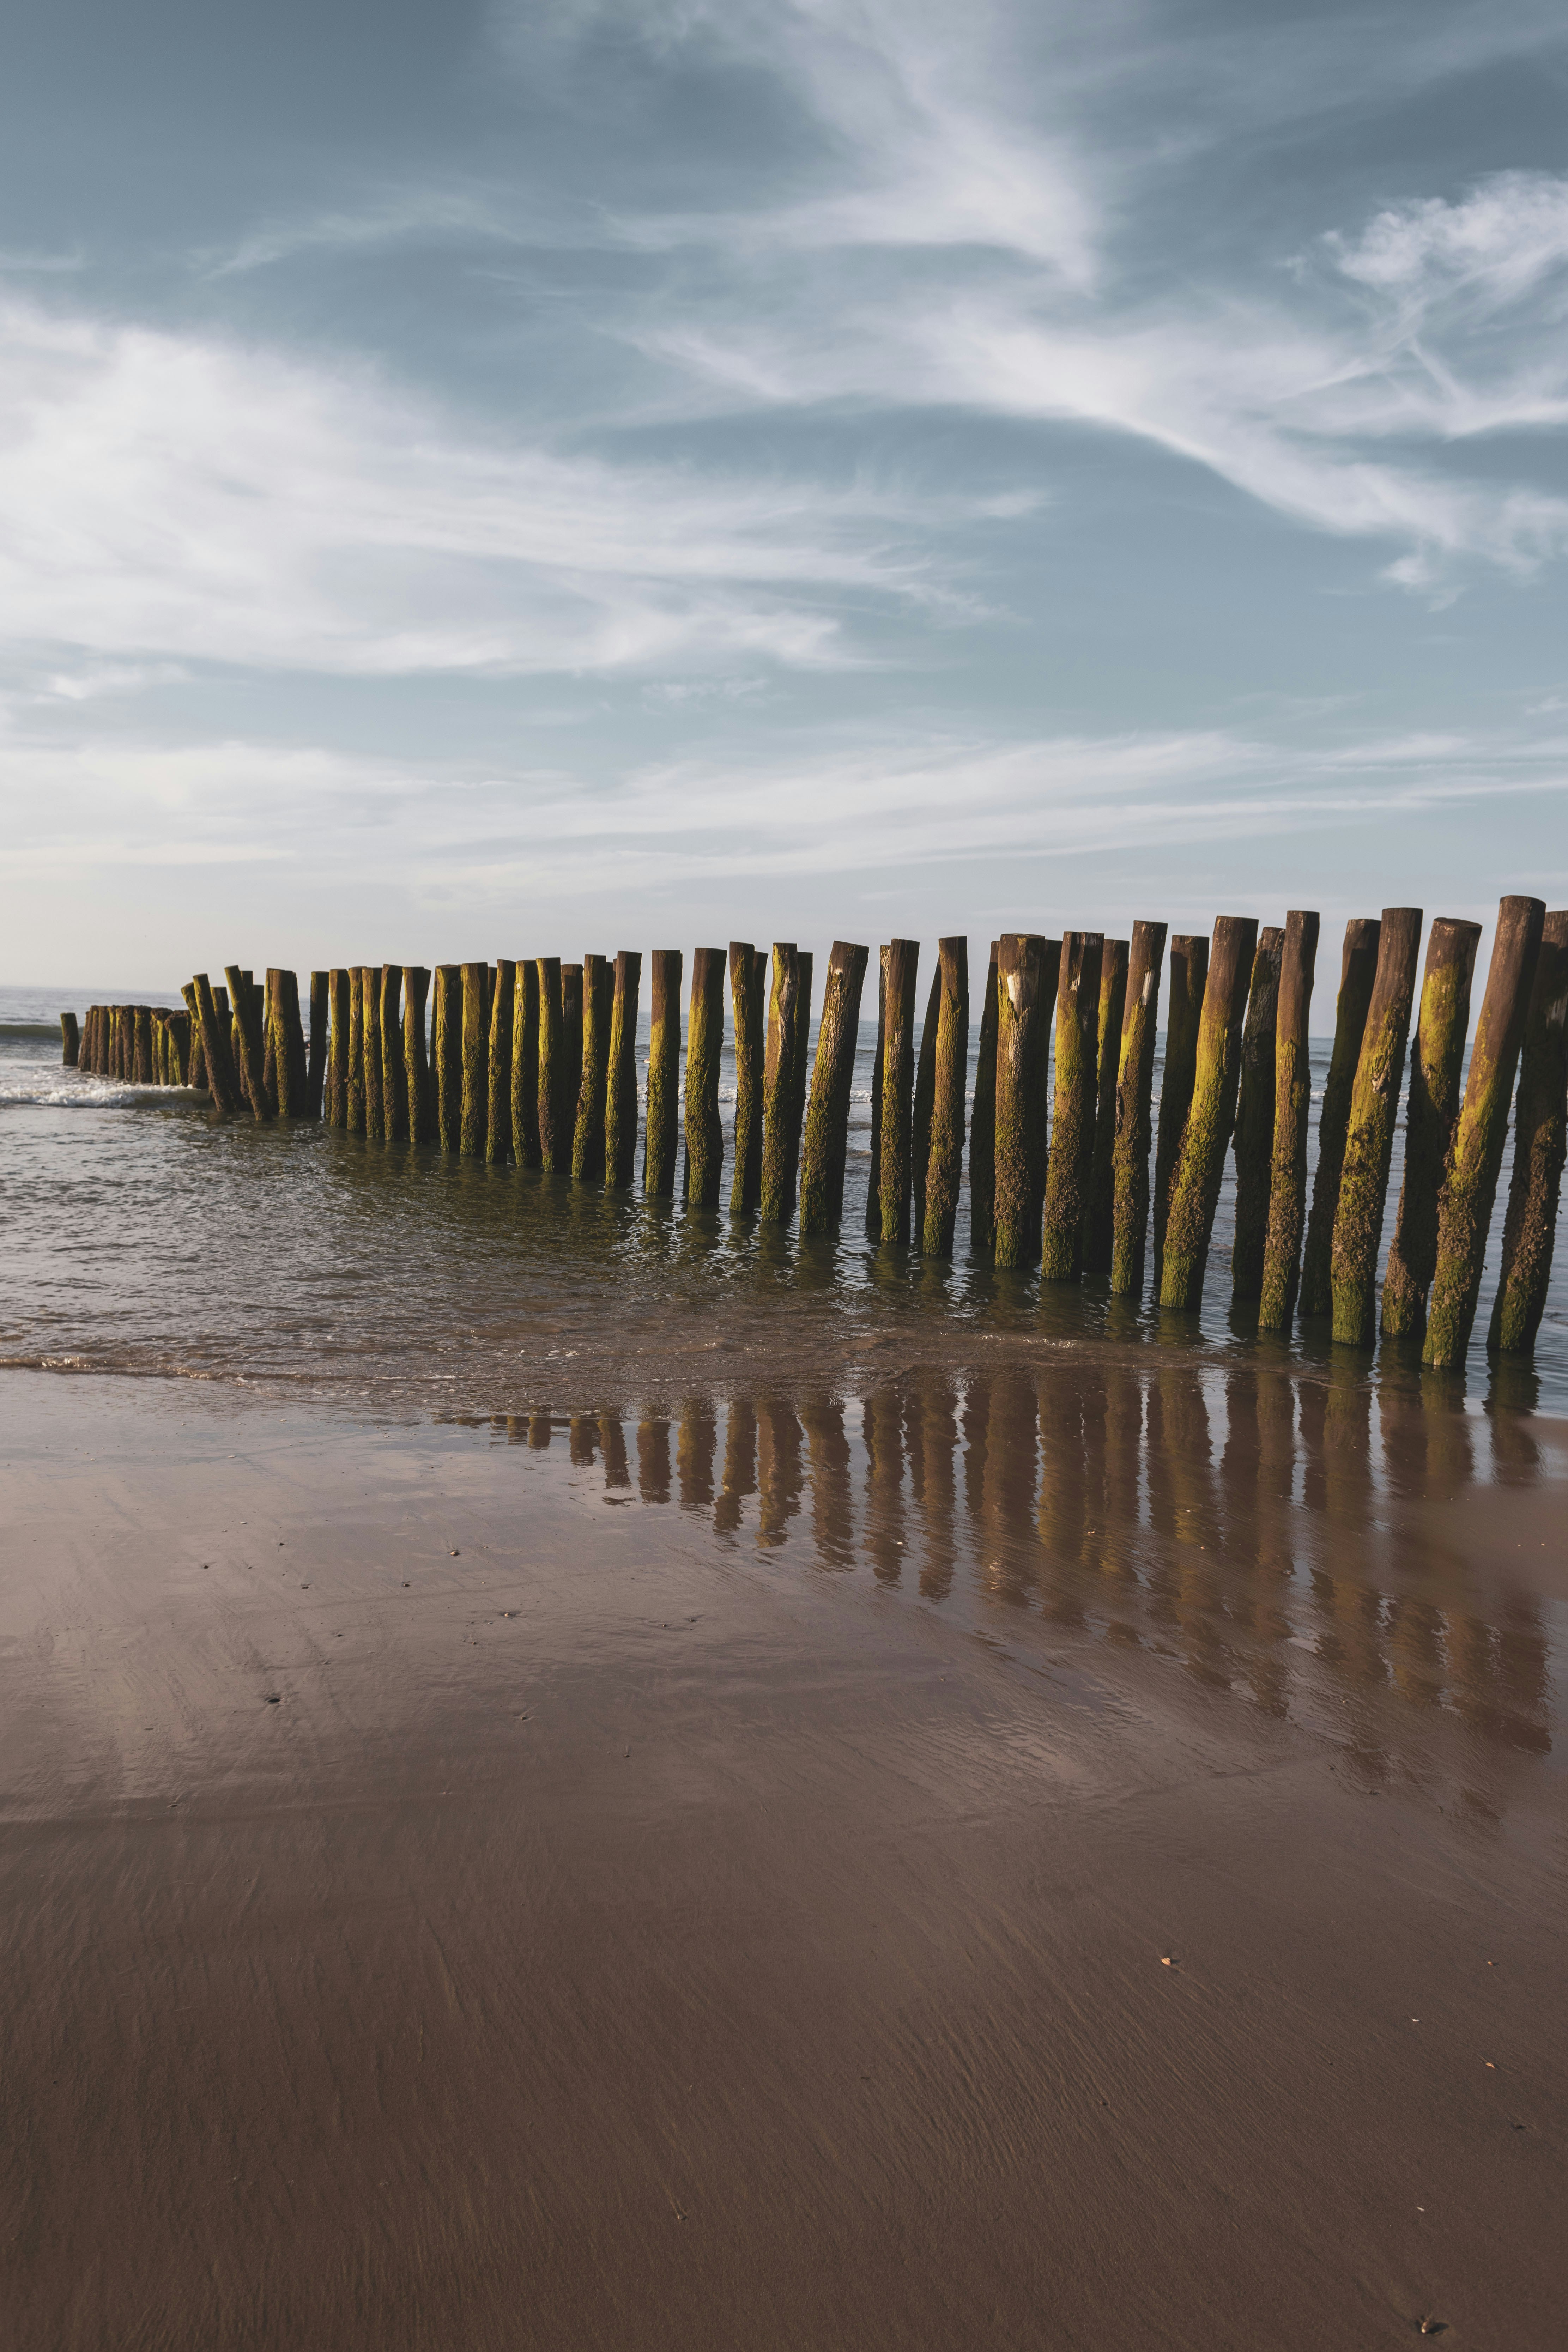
141 1236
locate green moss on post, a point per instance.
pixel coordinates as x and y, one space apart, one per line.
525 1063
598 1007
370 1028
217 1059
1021 1014
1133 1124
704 1047
1469 1187
1368 1138
316 1062
1040 1138
873 1178
269 1049
1200 1167
141 1073
784 1048
663 1074
799 1060
949 1076
747 1011
898 1085
925 1089
247 1026
1539 1146
1073 1110
286 1086
335 1100
70 1041
446 1038
475 1116
420 1112
497 1109
1292 1111
621 1093
1437 1080
826 1143
1099 1209
387 983
983 1127
1254 1143
180 1049
1184 1019
1358 968
556 1105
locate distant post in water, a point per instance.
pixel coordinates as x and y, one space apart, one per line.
374 1068
1194 1188
1539 1146
982 1125
704 1045
1134 1097
217 1061
1184 1019
446 1038
421 1109
498 1107
944 1157
1255 1118
798 1076
394 1068
1072 1122
621 1092
925 1088
826 1144
1469 1187
1358 968
1437 1079
70 1041
746 984
525 1063
873 1178
248 1031
353 1082
663 1073
316 1070
335 1097
1020 1012
1369 1137
1292 1112
898 1084
598 1006
1099 1208
142 1073
554 1104
476 1061
783 1048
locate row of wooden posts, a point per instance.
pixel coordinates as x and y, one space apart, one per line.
535 1062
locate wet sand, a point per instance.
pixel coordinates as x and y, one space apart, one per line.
711 1883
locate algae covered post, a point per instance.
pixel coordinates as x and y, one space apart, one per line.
375 1072
704 1046
354 1084
746 1008
1255 1118
983 1125
247 1031
554 1132
1072 1121
1369 1134
1018 1117
525 1063
1292 1110
799 1057
593 1086
1134 1097
70 1041
944 1157
1358 968
394 1066
1184 1018
873 1184
775 1190
1539 1145
218 1060
1200 1167
316 1070
335 1099
893 1170
498 1107
1100 1209
1436 1075
421 1107
925 1084
447 1041
475 1061
621 1093
663 1074
571 1053
825 1148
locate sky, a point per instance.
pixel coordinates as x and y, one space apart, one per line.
510 479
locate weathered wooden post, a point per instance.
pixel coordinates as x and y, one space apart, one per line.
1358 967
592 1092
898 1084
1184 1019
982 1125
421 1105
663 1073
784 1048
925 1091
286 1091
1099 1209
217 1061
1540 1147
621 1092
554 1104
1368 1138
248 1029
1040 1093
1194 1187
1133 1122
1072 1122
70 1041
335 1097
1255 1118
1437 1080
799 1075
1019 1117
1470 1187
497 1113
525 1063
825 1148
1292 1111
746 1003
179 1026
316 1067
446 1038
950 1073
571 1053
704 1043
873 1176
474 1117
374 1069
393 1066
142 1071
269 1047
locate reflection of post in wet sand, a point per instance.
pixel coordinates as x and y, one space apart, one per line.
1186 1594
931 1419
1061 1512
778 1470
832 1512
1347 1598
1258 1473
882 1432
740 1465
583 1438
539 1431
613 1438
653 1461
1004 1538
694 1449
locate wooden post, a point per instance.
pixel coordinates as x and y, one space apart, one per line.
421 1105
1368 1138
1255 1119
1194 1187
598 1006
217 1061
572 1054
746 1005
497 1114
1184 1019
525 1063
825 1148
286 1091
474 1117
195 1059
925 1092
248 1030
1539 1146
293 1037
554 1103
269 1047
1041 1092
663 1074
316 1068
1132 1121
798 1074
1470 1187
393 1066
949 1075
335 1098
1099 1209
447 1036
70 1041
1292 1112
704 1045
776 1191
1437 1080
1072 1122
621 1093
374 1069
874 1176
898 1084
982 1125
142 1071
180 1049
1358 966
1021 964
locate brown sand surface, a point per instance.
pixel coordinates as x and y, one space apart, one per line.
455 1896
